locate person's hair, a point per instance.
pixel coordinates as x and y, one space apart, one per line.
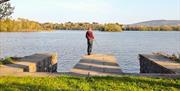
90 27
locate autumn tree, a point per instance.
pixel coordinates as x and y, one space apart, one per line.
112 27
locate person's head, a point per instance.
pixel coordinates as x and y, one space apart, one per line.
90 28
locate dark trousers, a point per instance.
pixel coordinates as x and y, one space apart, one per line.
90 44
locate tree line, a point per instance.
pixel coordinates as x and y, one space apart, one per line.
19 25
153 28
25 25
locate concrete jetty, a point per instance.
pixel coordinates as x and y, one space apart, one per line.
98 65
150 63
42 62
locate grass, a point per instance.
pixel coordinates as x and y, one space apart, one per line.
73 83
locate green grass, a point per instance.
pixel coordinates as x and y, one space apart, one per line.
7 60
73 83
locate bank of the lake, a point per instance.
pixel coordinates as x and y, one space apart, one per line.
111 83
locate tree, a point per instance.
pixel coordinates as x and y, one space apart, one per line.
112 27
5 10
2 1
166 28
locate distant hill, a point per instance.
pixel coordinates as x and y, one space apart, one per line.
158 23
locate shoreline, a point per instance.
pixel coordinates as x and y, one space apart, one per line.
85 30
93 63
56 74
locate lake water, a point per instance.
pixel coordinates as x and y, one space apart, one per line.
71 45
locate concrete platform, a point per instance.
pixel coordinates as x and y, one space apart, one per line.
150 63
97 64
10 69
43 62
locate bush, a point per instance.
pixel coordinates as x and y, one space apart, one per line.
112 27
7 60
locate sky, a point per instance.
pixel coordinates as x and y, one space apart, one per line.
102 11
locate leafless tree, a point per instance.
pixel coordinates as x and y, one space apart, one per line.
2 1
5 9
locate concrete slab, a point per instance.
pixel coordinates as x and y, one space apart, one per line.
10 69
158 64
42 62
97 64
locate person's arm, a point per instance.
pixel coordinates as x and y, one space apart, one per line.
92 35
86 35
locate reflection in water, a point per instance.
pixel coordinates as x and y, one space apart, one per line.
71 45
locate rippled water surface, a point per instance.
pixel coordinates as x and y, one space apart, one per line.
71 45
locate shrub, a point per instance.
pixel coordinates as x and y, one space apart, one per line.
7 60
112 27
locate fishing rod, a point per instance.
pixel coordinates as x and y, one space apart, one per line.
96 43
98 47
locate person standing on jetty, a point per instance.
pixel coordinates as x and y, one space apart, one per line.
90 38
